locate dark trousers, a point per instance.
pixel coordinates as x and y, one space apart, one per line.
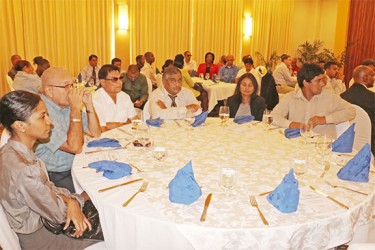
62 179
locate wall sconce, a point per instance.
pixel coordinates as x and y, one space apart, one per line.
248 27
123 20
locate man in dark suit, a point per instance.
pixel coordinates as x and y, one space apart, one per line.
358 94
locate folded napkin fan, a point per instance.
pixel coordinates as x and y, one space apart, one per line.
104 143
243 119
357 169
291 133
286 196
184 189
112 169
157 122
344 144
200 119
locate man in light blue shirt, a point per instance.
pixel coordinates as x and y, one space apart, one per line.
64 104
228 72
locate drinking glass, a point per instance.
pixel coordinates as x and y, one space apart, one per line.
267 118
159 153
224 114
227 178
143 136
300 162
207 76
306 131
201 75
323 147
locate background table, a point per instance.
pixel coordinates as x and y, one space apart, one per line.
262 158
216 91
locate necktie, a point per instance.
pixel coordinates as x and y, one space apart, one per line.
94 75
173 98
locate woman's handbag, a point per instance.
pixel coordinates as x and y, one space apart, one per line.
89 210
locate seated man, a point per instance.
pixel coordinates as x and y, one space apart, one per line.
64 104
358 94
309 104
229 71
89 73
285 82
135 85
148 70
335 79
171 101
12 72
117 62
114 107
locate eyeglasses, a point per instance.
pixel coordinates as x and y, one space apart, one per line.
114 79
67 86
188 55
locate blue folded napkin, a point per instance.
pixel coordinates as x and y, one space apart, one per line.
357 169
112 169
200 119
192 73
344 144
286 196
291 133
243 119
157 122
184 189
104 143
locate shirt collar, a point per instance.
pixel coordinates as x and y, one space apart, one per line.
53 106
299 95
26 153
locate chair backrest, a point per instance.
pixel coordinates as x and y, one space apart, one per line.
362 128
146 111
10 82
268 91
5 135
159 80
149 84
8 238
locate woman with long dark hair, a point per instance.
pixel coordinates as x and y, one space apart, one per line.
245 100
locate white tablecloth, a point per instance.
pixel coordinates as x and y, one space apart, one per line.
262 158
216 91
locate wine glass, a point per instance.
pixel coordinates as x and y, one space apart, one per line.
201 75
300 162
143 136
306 131
323 147
207 76
224 114
159 153
267 118
227 178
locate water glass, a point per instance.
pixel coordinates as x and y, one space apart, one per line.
267 118
300 162
227 178
159 153
323 147
224 114
306 131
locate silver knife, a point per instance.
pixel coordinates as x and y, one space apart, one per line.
329 197
206 204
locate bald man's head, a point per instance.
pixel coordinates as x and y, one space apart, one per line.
364 75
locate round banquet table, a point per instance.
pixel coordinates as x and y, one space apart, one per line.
262 158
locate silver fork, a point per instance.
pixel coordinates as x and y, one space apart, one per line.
326 169
254 203
142 189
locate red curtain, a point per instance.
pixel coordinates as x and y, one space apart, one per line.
361 35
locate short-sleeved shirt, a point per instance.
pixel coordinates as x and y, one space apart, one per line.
137 89
57 160
109 111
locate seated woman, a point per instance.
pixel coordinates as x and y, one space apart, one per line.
208 66
25 192
26 79
245 100
188 83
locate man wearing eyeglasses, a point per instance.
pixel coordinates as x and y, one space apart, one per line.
189 64
64 104
113 106
172 101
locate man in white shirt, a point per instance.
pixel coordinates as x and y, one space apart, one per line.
310 105
147 69
189 63
285 82
117 62
113 106
171 101
334 81
90 73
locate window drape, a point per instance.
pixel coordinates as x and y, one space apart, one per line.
170 27
64 32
